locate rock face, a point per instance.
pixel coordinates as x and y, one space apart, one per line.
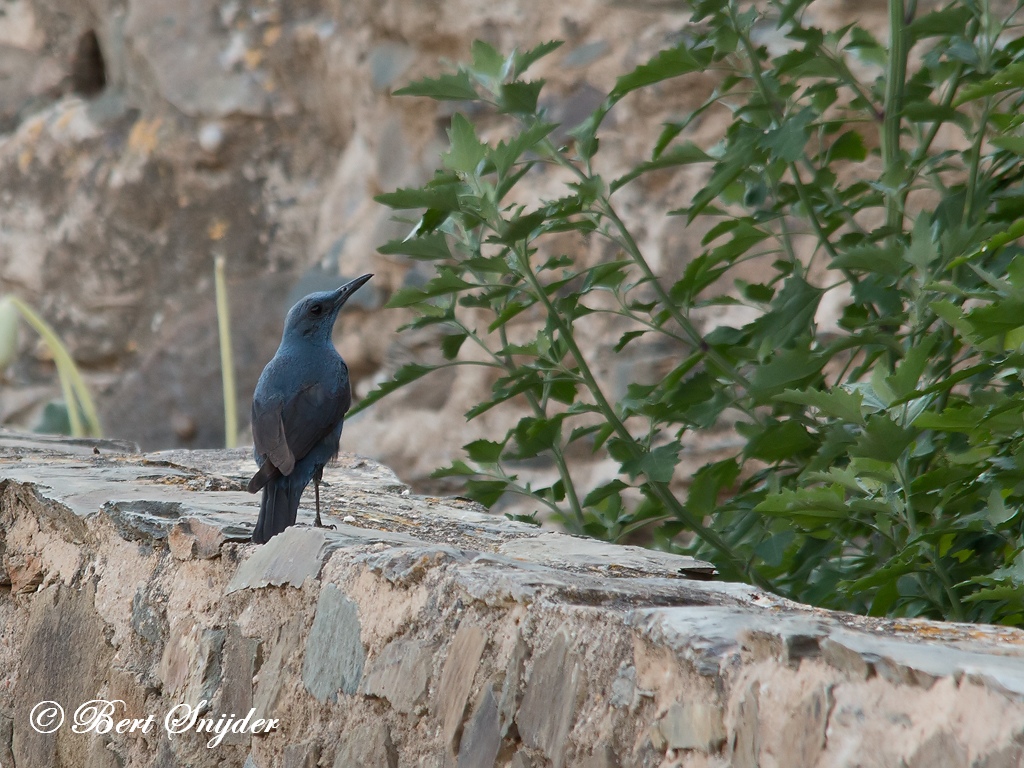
423 632
140 139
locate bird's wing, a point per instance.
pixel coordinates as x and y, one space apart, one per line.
268 433
286 430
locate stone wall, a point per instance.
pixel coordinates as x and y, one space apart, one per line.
422 632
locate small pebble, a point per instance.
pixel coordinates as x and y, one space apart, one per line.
211 137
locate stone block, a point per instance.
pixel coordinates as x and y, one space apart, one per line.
191 538
239 666
64 658
289 559
508 703
546 713
400 674
457 678
745 743
804 736
191 662
334 653
603 756
304 755
481 738
277 667
940 750
367 746
693 725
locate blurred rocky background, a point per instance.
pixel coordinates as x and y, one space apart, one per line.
138 140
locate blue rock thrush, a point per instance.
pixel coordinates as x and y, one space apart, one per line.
298 410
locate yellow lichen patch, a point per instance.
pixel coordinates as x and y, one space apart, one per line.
25 159
217 229
271 35
169 480
65 120
30 135
144 136
33 130
252 58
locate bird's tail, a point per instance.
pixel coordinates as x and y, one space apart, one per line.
278 508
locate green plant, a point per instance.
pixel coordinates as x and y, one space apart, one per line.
81 412
882 469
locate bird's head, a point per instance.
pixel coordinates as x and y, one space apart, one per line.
313 317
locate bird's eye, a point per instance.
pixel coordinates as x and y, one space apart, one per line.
315 310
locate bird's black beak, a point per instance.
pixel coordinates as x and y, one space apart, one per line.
341 295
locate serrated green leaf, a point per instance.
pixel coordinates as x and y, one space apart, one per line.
608 275
904 381
883 259
487 492
486 60
779 441
708 484
998 318
849 146
785 367
524 60
791 315
627 337
427 247
535 435
945 22
686 153
510 310
484 451
722 175
787 141
451 343
837 402
448 87
602 492
1014 144
520 227
773 549
519 97
441 196
657 465
883 439
404 375
667 64
815 505
956 418
506 154
1005 79
466 149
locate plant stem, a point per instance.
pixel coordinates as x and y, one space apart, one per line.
227 364
506 363
892 168
658 489
556 448
684 322
76 394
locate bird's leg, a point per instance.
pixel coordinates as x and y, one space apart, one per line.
317 477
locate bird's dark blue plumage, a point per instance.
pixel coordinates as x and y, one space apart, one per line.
298 410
